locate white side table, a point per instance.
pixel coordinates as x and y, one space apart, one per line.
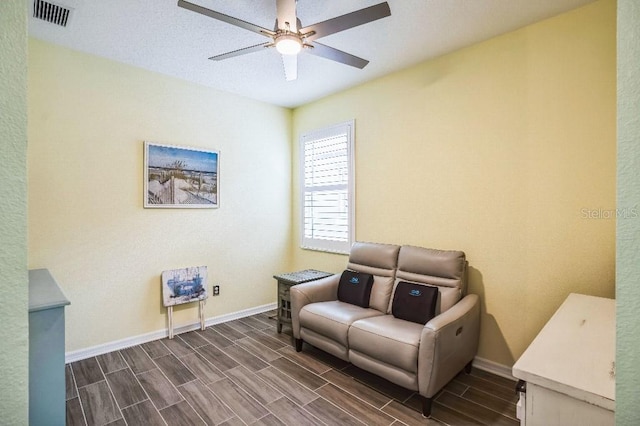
569 368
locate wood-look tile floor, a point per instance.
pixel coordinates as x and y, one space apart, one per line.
244 373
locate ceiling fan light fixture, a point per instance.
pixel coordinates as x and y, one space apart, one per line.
288 44
289 37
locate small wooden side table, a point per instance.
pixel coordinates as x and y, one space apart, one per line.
285 281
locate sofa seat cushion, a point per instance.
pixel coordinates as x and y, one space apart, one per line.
388 339
332 319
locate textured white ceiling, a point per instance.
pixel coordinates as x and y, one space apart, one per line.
159 36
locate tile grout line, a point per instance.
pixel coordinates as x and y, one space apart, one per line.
236 329
339 408
467 387
374 389
274 339
492 383
473 403
170 383
255 354
75 384
111 390
299 406
225 377
391 399
227 405
187 401
182 385
283 395
256 378
143 389
487 407
345 390
265 324
493 395
339 387
406 399
275 415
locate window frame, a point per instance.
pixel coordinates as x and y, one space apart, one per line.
327 245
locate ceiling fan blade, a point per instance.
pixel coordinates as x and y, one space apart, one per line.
225 18
290 63
344 22
242 51
327 52
287 13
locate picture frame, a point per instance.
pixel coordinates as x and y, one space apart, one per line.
184 285
180 177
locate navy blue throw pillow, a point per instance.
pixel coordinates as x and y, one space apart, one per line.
414 302
355 288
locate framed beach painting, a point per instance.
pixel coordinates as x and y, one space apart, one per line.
179 177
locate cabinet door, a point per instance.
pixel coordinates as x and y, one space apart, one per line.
545 407
46 368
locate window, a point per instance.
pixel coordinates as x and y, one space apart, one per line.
327 188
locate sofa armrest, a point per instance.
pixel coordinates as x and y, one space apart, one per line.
322 290
448 343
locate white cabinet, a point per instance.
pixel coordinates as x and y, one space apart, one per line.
569 368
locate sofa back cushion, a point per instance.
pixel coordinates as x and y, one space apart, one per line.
381 261
445 269
414 302
355 288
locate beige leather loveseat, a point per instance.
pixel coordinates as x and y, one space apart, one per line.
423 358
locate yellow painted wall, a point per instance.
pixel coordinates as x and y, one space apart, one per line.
88 118
502 150
505 150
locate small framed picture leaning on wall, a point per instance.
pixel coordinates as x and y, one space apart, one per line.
184 285
179 177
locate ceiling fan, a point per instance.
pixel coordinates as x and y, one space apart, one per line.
290 38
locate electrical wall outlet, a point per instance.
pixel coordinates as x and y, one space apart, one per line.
216 290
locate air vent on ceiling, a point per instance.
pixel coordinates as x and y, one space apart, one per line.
51 12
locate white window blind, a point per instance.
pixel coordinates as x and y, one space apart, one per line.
327 188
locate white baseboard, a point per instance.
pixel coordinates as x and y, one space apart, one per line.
480 363
493 367
160 334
